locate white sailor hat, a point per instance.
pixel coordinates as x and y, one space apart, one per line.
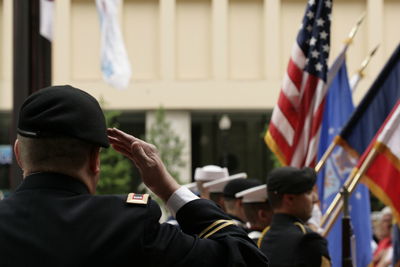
210 173
217 186
257 194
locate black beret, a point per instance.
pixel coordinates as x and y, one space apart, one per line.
238 185
58 111
291 180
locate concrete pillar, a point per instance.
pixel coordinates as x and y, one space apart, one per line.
167 39
272 55
6 57
62 43
220 39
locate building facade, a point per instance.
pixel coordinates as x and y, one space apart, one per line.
199 60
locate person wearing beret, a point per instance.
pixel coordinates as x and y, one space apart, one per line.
288 241
54 218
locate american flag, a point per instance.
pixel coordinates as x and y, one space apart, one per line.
293 132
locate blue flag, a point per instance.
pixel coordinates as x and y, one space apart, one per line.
338 109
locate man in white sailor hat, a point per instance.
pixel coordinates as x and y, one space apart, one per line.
206 174
257 210
216 188
233 204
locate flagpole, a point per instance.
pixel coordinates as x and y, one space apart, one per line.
351 183
360 73
336 203
354 30
326 154
347 42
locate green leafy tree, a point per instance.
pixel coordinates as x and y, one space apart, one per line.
170 148
168 143
116 170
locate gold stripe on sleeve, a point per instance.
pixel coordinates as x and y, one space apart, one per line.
219 228
205 231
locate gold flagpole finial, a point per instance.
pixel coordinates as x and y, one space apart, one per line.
366 61
355 28
360 72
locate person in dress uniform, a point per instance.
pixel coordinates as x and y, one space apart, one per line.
54 217
216 188
288 241
233 204
206 174
256 209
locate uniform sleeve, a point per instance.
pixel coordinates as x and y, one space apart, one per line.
208 238
313 251
179 198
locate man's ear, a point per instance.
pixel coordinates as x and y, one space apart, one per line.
261 214
94 160
239 203
288 199
265 215
17 153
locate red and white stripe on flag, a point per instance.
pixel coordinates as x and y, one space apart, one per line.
383 174
294 129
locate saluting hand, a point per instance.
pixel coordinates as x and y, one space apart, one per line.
146 158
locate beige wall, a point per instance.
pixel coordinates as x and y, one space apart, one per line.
200 54
5 55
391 23
245 40
1 37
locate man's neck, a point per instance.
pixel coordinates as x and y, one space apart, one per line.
77 174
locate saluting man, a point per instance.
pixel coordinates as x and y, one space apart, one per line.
54 218
288 241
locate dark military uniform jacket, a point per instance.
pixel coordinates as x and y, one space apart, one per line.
288 242
238 222
52 220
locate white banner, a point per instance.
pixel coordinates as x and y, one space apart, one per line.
46 19
114 59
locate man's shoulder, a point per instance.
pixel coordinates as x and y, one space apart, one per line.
113 206
314 242
313 250
290 230
277 235
309 239
130 201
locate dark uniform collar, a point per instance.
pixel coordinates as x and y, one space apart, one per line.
49 180
280 218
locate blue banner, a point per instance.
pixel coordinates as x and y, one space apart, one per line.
375 106
338 108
